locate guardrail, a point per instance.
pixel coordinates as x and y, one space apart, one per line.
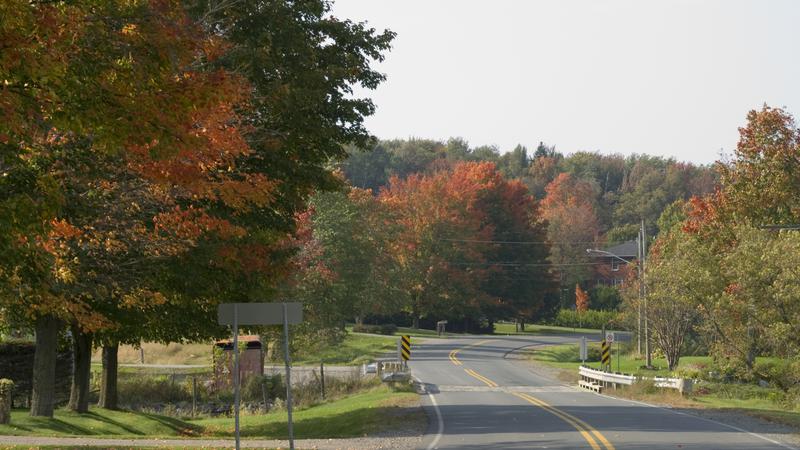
597 380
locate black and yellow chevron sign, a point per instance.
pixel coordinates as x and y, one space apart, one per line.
405 347
605 353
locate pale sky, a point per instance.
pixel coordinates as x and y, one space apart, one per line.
672 78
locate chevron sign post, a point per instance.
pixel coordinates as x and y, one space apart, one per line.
405 347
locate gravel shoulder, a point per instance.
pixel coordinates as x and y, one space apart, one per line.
778 432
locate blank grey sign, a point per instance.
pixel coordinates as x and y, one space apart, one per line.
260 313
621 336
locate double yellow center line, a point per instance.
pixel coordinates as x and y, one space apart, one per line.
480 377
454 359
589 433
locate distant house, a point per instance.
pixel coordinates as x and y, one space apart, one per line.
613 271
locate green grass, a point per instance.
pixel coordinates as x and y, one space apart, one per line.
98 422
413 332
356 415
510 328
355 349
566 357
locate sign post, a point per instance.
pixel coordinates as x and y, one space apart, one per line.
236 373
288 376
405 348
236 314
606 351
584 350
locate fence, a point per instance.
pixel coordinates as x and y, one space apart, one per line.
597 380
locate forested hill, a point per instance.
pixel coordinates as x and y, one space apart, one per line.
621 190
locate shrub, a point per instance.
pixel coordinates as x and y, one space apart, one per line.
587 319
387 329
605 298
272 384
782 373
141 389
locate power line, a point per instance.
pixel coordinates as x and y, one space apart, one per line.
513 264
478 241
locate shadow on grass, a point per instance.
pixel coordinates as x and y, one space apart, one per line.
180 427
40 425
113 422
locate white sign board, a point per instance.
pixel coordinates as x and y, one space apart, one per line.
610 338
584 350
259 313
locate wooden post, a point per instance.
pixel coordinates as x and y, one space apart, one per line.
194 395
264 393
322 377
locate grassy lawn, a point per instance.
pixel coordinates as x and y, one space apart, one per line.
355 349
510 328
567 357
356 415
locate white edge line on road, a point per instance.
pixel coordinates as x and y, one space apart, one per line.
440 421
733 427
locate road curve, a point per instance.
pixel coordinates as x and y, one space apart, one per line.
478 398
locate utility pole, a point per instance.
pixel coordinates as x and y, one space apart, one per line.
639 273
648 355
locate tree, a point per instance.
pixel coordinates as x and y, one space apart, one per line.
156 97
569 208
72 80
762 183
451 252
682 279
581 302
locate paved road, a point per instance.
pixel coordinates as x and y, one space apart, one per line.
481 399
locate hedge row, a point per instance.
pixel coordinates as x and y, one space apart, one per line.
586 319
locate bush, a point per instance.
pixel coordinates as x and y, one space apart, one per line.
740 391
273 384
782 373
605 298
140 390
387 329
587 319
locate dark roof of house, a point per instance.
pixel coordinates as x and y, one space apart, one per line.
624 250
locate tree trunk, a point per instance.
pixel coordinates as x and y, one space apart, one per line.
415 323
359 320
521 323
44 366
108 382
81 366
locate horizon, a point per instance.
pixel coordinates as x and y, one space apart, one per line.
673 79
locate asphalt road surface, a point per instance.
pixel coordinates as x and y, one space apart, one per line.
478 398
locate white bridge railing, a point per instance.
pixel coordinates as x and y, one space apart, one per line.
597 380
